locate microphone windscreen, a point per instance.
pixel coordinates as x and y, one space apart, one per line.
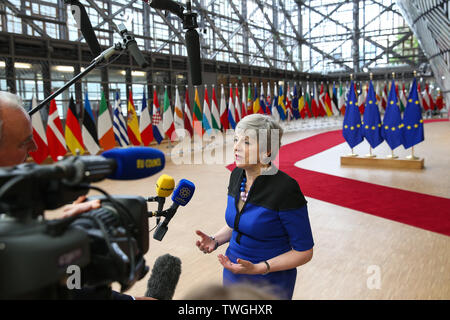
164 278
164 186
135 162
193 51
183 193
82 19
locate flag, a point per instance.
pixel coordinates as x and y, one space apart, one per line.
320 101
281 108
392 122
89 131
328 106
158 131
223 110
105 126
429 98
178 118
325 101
301 103
274 107
168 126
119 124
206 119
231 111
187 113
39 136
352 130
145 123
262 101
243 104
402 98
314 106
341 100
54 132
371 119
268 99
334 101
239 111
256 106
384 97
413 132
197 115
288 104
249 100
362 99
440 103
308 102
72 132
214 111
132 123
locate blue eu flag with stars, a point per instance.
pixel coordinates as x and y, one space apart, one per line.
371 119
412 119
392 122
352 130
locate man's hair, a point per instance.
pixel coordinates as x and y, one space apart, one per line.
8 100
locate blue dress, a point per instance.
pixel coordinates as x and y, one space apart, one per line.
273 220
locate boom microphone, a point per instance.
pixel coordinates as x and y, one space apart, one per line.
167 5
193 51
165 275
135 162
180 197
84 24
132 47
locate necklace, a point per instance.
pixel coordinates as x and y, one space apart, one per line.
243 193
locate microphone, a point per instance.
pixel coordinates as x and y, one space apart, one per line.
164 188
165 275
180 197
193 51
167 5
135 162
84 24
131 45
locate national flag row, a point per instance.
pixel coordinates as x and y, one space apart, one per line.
394 129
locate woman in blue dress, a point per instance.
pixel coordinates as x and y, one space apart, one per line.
267 224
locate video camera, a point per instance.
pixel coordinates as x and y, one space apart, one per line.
107 244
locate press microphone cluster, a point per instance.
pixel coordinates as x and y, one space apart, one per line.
180 197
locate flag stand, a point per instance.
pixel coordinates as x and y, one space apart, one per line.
352 154
412 156
392 156
370 155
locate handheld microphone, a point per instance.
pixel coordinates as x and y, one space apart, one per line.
84 24
165 275
131 45
180 197
135 162
193 51
164 188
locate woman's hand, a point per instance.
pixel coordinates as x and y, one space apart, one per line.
205 244
242 266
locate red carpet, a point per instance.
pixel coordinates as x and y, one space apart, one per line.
416 209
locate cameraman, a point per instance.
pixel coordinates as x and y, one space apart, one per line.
16 141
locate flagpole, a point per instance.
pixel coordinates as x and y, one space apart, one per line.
412 156
370 155
392 156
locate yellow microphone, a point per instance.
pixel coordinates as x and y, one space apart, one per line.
164 186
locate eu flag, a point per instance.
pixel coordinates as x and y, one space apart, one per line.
392 122
371 119
352 130
295 103
412 119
